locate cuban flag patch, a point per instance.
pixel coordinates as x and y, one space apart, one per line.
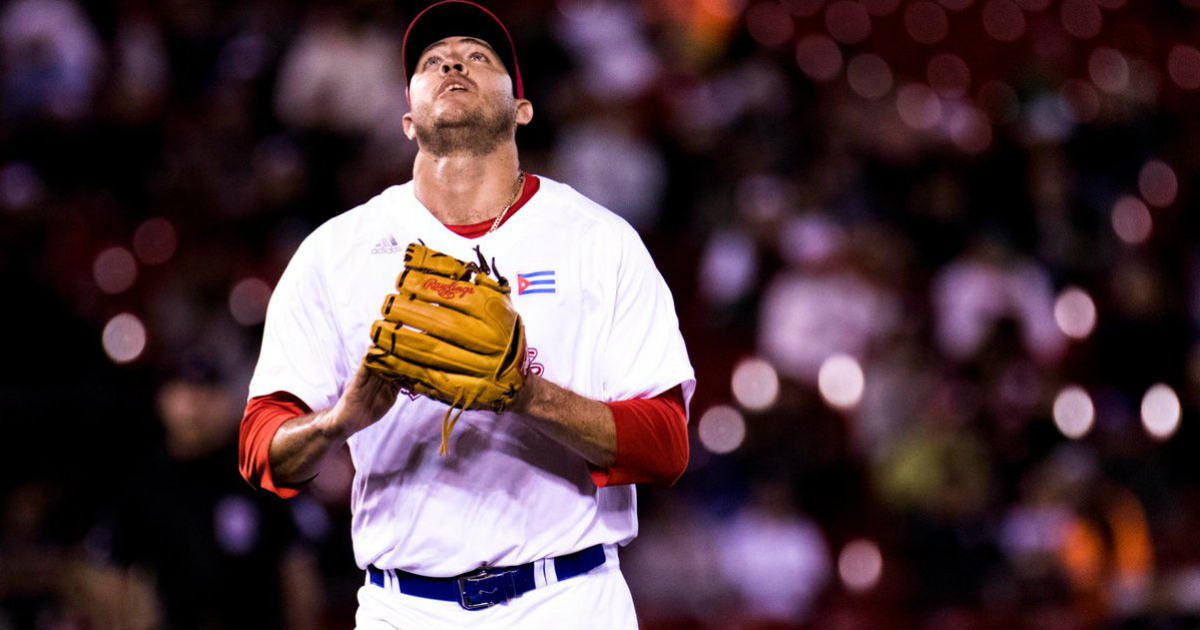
535 282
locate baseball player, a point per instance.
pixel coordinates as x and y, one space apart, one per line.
500 354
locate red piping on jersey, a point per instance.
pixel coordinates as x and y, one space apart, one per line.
475 230
264 415
652 441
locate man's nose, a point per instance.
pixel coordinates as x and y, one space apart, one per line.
446 67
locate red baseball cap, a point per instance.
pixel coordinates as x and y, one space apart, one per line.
459 18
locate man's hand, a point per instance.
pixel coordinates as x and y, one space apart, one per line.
365 400
301 445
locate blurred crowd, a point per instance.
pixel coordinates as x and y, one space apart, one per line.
935 264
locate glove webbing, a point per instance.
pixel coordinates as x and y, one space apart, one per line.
448 422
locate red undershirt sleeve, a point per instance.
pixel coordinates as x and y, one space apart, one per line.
652 441
264 415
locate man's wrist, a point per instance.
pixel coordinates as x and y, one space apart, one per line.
525 397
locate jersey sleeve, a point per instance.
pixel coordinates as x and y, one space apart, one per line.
652 441
647 377
644 355
300 346
263 417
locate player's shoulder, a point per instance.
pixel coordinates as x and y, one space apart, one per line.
358 225
363 217
572 207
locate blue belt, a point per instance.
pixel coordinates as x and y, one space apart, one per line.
489 586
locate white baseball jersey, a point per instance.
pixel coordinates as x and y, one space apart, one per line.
599 320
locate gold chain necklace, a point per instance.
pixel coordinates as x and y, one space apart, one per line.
515 196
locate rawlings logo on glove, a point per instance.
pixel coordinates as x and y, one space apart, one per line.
451 333
448 290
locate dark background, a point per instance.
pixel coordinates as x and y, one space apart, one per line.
931 193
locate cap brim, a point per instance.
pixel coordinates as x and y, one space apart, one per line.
459 18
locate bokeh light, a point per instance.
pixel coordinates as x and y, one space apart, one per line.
948 75
721 429
969 130
869 76
729 266
926 22
763 197
154 241
20 186
769 23
1078 101
810 239
1161 411
860 565
848 21
1109 70
114 270
918 106
1131 220
1081 18
124 338
248 301
1048 117
1033 5
1158 184
841 382
728 9
755 384
1075 313
1183 65
1074 413
1003 20
819 58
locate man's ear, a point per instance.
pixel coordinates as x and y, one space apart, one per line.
409 129
524 111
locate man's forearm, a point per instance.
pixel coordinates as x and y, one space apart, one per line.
302 444
584 425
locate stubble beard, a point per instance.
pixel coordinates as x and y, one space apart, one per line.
475 133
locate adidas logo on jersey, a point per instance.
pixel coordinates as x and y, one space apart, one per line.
386 245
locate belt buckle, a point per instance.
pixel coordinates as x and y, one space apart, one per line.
473 580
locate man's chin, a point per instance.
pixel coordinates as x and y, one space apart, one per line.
452 117
443 125
463 132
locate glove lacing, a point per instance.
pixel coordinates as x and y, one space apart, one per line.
448 422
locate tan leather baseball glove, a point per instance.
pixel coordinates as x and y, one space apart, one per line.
450 333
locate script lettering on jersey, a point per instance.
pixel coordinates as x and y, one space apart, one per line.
448 290
530 364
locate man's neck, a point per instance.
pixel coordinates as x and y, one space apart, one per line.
459 190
